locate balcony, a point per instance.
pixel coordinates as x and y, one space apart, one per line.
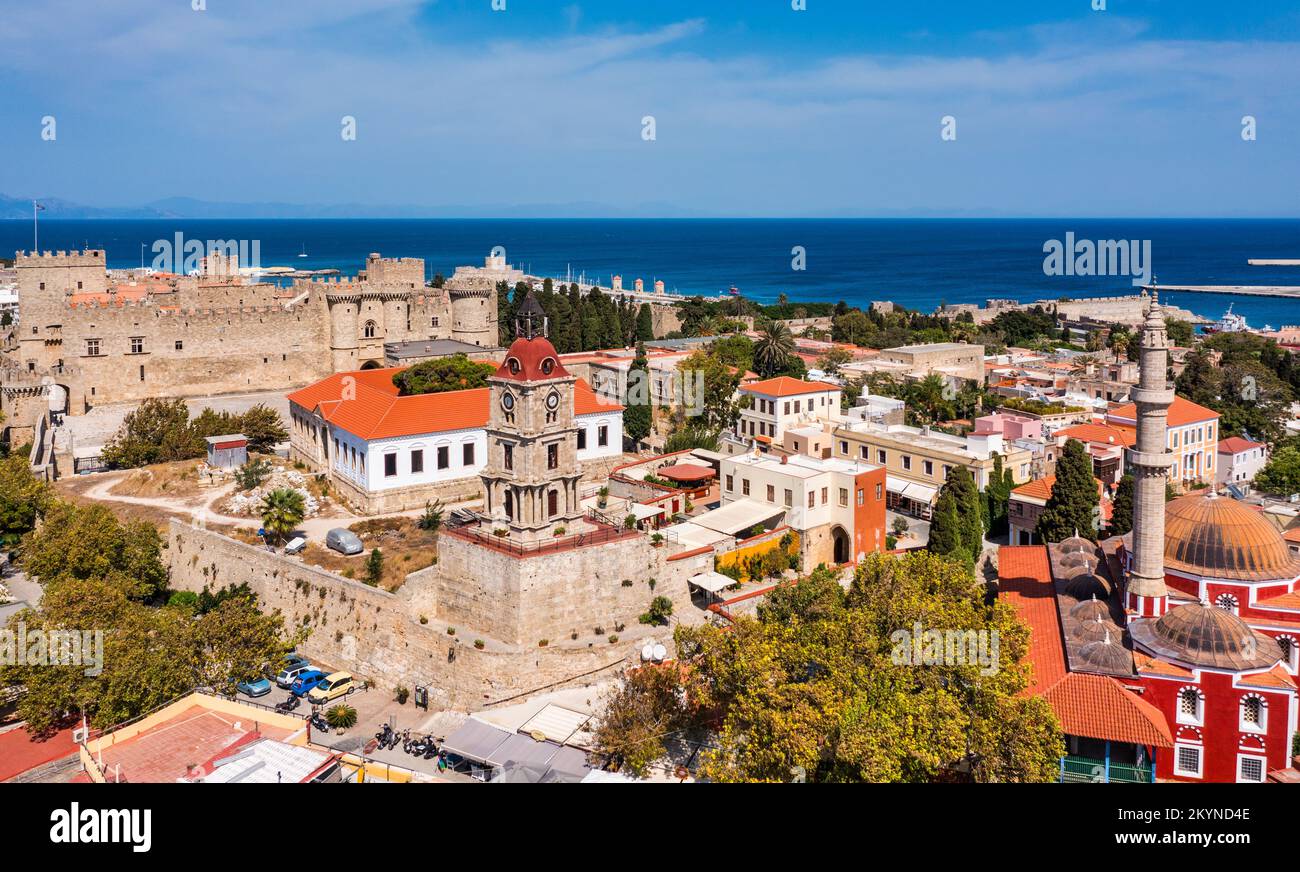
1083 770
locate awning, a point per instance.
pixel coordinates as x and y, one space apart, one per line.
739 516
475 740
713 582
686 472
912 490
556 723
641 512
519 750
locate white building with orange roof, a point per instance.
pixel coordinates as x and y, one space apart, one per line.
1240 459
385 452
1193 440
777 404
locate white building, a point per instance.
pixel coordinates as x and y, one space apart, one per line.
386 452
780 403
1239 460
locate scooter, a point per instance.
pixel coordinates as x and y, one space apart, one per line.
289 704
418 747
319 723
433 750
384 735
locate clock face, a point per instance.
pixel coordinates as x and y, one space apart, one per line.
507 401
553 402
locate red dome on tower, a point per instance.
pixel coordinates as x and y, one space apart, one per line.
531 360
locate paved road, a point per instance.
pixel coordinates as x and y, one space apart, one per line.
25 591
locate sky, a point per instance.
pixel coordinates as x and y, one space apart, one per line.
758 109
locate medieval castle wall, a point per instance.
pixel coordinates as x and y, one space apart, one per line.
380 636
194 336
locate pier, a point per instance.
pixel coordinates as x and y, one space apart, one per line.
1244 290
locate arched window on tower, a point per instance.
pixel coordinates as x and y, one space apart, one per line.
368 331
1189 706
1227 602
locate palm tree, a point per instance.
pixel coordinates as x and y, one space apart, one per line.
774 348
1083 366
282 511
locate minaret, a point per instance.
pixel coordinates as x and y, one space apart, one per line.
1146 595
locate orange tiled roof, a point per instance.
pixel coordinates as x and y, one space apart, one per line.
1275 677
784 386
1105 434
374 410
1041 489
1182 412
1099 707
1236 445
1292 535
1148 665
1025 583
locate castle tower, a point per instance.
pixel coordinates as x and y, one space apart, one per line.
1148 460
45 280
531 476
474 315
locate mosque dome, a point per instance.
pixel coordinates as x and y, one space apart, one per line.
1107 655
1092 630
1219 537
1086 585
1076 544
1206 635
1089 610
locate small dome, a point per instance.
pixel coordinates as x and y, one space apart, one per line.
1086 586
1204 635
1220 537
1093 630
1076 544
1076 560
1107 655
1089 610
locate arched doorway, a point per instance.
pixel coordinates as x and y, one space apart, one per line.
843 545
370 364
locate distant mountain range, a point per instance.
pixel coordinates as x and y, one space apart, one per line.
189 207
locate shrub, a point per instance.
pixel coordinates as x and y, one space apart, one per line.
424 619
613 640
451 631
431 520
479 643
403 694
629 522
341 717
660 608
542 643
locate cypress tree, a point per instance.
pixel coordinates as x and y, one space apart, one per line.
945 529
637 415
969 512
1074 504
1121 518
645 325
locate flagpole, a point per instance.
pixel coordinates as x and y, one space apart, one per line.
36 245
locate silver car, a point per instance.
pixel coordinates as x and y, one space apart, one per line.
344 541
286 677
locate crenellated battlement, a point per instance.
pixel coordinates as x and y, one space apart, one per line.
89 257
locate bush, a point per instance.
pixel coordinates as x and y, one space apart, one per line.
431 520
660 608
542 643
403 694
479 644
252 473
341 717
374 567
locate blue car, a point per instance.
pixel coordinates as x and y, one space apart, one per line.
306 681
254 687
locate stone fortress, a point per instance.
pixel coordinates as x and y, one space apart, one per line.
89 336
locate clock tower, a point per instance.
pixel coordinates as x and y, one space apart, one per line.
531 475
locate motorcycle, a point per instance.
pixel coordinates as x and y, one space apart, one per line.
383 736
319 723
288 705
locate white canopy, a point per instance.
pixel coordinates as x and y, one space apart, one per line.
711 581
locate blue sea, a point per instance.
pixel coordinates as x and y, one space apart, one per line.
917 263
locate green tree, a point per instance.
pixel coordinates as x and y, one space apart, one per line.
832 360
661 608
431 519
774 348
946 529
645 324
253 472
23 499
1121 516
282 511
1281 475
235 641
157 431
637 416
454 373
1074 508
970 510
374 567
821 683
263 426
89 542
997 497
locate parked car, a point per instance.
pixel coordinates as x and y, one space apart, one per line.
295 545
343 541
306 681
292 659
290 674
334 686
254 687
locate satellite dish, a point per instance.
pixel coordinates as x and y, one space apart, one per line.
648 652
660 653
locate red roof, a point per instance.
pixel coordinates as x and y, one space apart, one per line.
1025 582
1183 411
1041 489
374 410
1104 434
1099 707
686 472
19 752
1236 445
531 360
1093 706
784 386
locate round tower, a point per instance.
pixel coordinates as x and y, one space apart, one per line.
474 316
344 303
1146 595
